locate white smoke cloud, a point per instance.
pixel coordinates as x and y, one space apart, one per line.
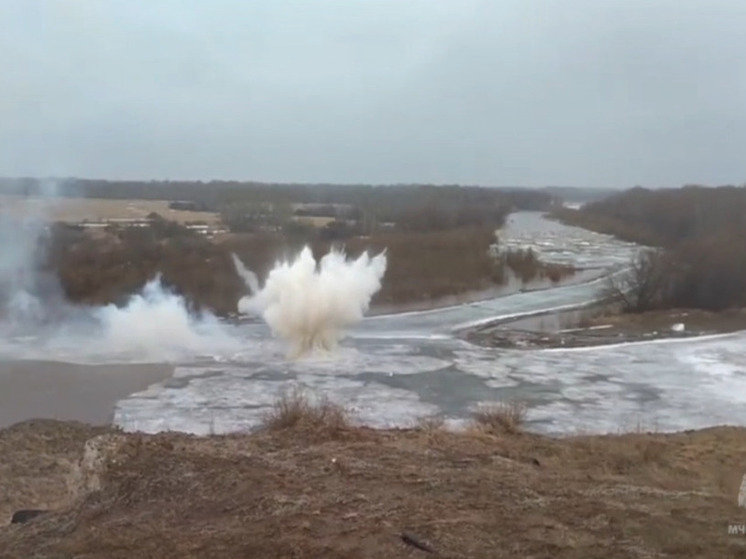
310 304
306 303
26 290
153 325
156 324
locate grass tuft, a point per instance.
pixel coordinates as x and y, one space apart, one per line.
296 410
502 417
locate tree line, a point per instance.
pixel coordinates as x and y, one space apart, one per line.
697 240
214 195
248 207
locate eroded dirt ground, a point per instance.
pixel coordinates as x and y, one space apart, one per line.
351 492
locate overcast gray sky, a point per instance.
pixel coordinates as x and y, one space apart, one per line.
495 92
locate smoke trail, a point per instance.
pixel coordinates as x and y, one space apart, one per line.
249 277
310 305
27 291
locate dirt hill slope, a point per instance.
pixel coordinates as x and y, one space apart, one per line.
334 491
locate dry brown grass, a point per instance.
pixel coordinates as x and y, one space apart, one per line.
277 493
297 410
35 460
431 423
501 417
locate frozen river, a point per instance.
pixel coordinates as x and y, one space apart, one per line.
393 369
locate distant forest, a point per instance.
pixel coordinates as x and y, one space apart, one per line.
666 217
245 206
700 235
215 194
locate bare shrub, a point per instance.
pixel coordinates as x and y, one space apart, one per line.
501 417
523 262
527 266
107 267
556 272
296 410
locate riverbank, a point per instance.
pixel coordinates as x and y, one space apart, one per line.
597 327
512 287
329 490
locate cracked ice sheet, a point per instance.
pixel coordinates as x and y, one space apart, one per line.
555 242
665 385
486 364
384 358
227 403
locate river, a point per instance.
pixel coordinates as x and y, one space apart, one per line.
392 370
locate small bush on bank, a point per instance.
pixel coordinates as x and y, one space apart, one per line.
295 410
502 417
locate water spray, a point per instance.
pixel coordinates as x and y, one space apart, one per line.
310 304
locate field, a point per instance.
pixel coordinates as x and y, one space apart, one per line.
313 486
75 210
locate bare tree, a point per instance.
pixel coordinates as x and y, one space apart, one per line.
645 285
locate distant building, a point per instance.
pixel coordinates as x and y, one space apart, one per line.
184 205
